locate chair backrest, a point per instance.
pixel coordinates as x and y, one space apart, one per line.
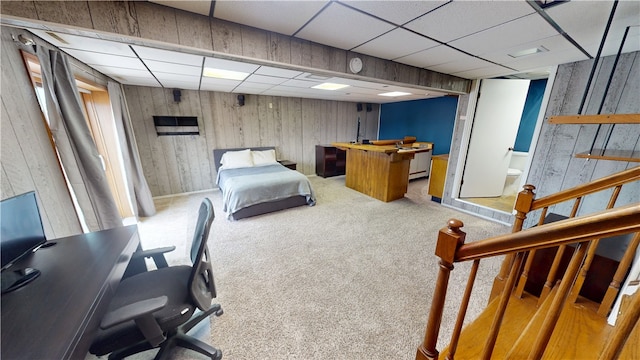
201 284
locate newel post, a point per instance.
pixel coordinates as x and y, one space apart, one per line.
449 239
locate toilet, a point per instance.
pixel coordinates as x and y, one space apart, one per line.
516 167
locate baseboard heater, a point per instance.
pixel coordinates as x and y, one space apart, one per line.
176 125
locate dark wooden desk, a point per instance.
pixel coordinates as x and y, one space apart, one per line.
57 314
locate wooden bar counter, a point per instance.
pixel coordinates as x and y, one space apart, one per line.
380 171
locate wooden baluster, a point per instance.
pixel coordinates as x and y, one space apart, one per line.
559 300
449 239
527 265
614 287
551 276
622 330
463 310
522 207
502 307
593 246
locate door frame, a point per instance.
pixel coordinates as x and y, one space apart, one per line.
466 137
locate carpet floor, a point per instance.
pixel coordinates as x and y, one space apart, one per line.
350 278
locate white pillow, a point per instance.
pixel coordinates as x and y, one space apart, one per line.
265 157
236 159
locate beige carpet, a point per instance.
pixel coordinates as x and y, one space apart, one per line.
350 278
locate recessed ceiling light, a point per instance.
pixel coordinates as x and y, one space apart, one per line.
395 93
224 74
526 52
329 86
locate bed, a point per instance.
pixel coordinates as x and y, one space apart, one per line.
251 188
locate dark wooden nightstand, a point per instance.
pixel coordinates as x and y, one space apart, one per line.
288 163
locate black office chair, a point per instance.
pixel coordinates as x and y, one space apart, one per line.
156 308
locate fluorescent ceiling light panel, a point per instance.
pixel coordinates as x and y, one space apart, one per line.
395 93
330 86
526 52
224 74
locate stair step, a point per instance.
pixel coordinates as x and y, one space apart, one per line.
580 332
472 338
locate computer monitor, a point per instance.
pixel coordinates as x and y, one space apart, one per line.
21 228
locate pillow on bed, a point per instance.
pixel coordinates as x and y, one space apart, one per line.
265 157
236 159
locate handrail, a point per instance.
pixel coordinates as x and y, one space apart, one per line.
607 223
604 183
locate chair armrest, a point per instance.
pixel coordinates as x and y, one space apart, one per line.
156 254
133 311
142 313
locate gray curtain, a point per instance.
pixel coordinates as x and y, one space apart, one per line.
78 153
139 192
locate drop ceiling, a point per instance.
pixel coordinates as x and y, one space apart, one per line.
469 39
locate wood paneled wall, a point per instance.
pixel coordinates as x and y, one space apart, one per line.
554 165
177 164
146 23
27 158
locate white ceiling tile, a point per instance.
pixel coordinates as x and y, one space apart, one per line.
464 64
224 64
114 70
177 77
462 18
139 81
212 84
483 73
262 79
572 17
398 12
168 56
394 44
300 83
94 58
178 84
506 35
278 72
253 86
269 15
434 56
159 66
342 27
83 43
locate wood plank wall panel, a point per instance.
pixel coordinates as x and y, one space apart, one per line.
177 164
564 170
156 25
28 161
193 30
68 12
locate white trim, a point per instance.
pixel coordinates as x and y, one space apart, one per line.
539 122
466 136
476 214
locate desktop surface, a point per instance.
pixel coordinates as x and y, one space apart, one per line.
56 315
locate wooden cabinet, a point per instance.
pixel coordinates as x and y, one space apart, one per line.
438 176
330 161
420 165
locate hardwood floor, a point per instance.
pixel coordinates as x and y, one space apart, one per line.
579 334
502 203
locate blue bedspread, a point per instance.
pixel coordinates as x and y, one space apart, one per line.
244 187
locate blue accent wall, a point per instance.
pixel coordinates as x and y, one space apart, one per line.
530 115
429 120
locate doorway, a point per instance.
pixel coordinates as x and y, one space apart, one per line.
498 155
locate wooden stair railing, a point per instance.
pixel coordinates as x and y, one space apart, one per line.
526 204
451 249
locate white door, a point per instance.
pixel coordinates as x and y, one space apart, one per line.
494 131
